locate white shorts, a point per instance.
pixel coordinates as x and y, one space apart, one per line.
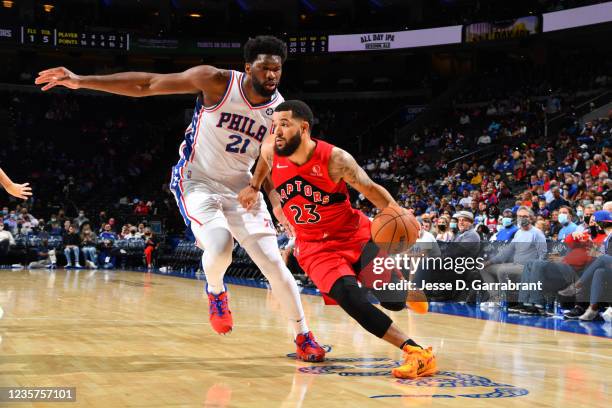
200 207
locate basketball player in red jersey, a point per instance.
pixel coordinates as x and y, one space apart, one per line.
310 177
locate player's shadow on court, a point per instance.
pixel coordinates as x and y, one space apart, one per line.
45 364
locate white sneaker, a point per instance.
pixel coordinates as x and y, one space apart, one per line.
607 315
589 315
91 265
78 265
571 290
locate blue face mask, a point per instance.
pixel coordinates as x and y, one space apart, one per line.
453 225
579 213
506 221
563 218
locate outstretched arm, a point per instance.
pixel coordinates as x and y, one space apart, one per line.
22 191
205 78
343 166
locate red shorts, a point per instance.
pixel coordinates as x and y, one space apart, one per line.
326 261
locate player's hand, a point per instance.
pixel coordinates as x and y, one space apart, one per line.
248 197
22 191
280 216
57 76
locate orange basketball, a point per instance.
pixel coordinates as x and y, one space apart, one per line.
394 230
417 301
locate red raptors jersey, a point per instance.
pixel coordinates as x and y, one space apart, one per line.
318 208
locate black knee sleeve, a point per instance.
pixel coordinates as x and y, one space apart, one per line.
353 301
393 306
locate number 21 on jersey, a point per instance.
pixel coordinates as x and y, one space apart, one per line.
238 144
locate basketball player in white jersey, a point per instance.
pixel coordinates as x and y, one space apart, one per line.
233 114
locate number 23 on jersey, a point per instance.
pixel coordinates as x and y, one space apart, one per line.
311 216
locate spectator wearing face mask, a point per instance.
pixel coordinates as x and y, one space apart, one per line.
597 276
584 217
528 244
508 227
598 166
81 219
567 225
133 233
559 272
444 231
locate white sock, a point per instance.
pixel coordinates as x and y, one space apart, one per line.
263 250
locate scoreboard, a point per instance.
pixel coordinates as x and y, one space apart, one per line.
115 41
74 39
307 44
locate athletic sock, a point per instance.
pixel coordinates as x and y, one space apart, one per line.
300 326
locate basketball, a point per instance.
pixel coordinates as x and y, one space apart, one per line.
417 302
394 230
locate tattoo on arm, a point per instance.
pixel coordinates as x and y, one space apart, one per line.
343 166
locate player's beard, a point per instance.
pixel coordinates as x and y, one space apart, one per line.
291 145
261 89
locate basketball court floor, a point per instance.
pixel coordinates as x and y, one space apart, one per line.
143 340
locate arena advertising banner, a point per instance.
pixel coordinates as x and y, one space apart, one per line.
502 30
186 46
395 40
578 17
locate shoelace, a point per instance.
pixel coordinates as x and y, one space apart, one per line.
308 341
217 306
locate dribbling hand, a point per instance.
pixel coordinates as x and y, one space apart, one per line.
57 76
280 216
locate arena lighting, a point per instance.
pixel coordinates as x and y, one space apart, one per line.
195 15
311 7
7 4
331 14
48 7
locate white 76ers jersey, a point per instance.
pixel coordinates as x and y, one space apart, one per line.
222 142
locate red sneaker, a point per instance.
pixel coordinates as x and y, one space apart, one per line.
220 316
308 349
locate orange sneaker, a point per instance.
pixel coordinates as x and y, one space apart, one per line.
417 362
220 316
308 349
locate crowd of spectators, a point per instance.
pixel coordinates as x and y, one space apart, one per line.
517 185
83 242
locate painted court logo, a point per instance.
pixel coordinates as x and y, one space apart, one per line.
445 384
